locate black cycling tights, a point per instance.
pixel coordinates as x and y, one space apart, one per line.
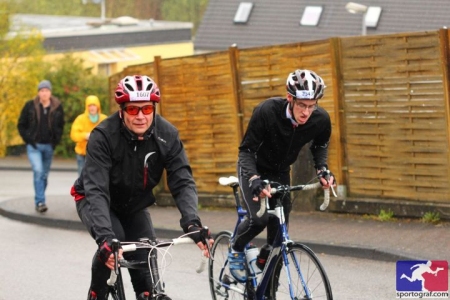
126 228
253 225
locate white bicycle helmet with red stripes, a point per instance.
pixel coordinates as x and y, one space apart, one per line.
305 84
137 88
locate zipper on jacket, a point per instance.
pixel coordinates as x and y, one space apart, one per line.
289 148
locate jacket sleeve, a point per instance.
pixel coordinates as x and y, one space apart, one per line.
23 124
182 185
59 125
96 185
76 131
319 146
252 141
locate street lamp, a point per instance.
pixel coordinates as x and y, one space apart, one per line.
356 8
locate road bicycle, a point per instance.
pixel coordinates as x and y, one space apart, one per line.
291 271
116 289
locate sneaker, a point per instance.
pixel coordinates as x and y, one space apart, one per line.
236 261
41 207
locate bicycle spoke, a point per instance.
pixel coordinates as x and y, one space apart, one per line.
222 283
301 277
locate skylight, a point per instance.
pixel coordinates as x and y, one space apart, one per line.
243 13
372 16
311 16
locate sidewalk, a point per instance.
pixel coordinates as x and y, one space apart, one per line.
334 234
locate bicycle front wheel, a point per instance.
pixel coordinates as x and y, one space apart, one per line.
301 276
117 292
221 282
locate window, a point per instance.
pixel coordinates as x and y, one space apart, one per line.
105 69
311 16
112 55
372 16
243 13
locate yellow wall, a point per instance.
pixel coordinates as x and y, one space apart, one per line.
145 54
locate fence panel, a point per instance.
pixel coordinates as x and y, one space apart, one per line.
197 98
395 116
263 72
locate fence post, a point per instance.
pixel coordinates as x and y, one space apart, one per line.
233 54
445 58
156 77
339 112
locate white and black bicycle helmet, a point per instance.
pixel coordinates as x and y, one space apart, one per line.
305 84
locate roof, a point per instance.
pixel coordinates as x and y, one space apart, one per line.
274 22
63 33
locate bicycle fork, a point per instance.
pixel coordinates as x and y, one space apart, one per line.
299 272
158 286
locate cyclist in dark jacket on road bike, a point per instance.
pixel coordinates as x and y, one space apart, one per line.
126 156
277 131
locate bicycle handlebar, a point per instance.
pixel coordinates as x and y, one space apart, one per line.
129 247
286 189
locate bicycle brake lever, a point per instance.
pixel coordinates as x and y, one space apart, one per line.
334 192
204 233
115 251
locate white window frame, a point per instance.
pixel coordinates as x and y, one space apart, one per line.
311 15
372 16
243 12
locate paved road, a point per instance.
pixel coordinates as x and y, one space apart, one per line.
46 263
50 260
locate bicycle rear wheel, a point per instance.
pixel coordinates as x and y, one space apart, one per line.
221 282
308 279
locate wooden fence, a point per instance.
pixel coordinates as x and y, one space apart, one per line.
387 96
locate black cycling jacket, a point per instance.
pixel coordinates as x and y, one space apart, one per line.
120 173
271 143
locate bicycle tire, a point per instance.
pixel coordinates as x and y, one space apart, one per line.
315 279
221 282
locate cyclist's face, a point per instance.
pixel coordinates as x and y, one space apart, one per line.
137 123
302 108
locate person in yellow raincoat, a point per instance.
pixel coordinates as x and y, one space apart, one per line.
82 127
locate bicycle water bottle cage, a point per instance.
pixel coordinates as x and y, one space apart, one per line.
237 266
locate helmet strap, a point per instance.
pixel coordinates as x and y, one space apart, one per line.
291 107
291 110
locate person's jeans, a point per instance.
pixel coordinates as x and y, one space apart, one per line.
80 163
40 160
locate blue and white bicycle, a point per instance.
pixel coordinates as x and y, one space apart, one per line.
292 270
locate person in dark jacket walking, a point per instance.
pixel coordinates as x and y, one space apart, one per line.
277 131
125 159
41 125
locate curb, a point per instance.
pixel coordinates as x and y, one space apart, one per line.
21 168
339 250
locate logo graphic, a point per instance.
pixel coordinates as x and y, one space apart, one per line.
422 276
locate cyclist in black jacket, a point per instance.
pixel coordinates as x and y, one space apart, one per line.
277 131
126 156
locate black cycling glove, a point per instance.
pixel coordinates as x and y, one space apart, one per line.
105 249
325 174
199 234
257 185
